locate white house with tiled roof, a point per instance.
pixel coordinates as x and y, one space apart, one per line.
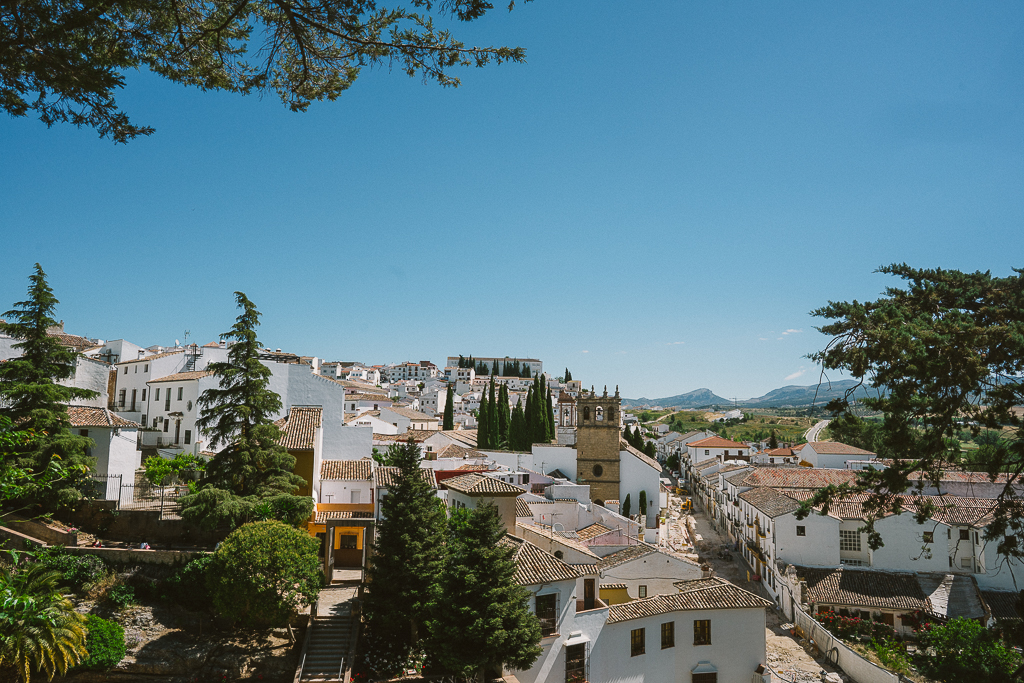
407 419
831 454
717 448
115 448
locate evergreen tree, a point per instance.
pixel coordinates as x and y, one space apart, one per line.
31 392
515 369
649 449
482 621
549 415
643 502
625 506
407 561
504 438
568 375
483 422
494 370
517 429
493 434
252 477
462 361
525 372
773 441
449 410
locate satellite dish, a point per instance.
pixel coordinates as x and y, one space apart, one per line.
177 343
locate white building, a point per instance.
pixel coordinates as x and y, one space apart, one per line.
717 448
116 452
831 454
417 372
406 419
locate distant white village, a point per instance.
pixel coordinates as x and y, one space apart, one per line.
620 553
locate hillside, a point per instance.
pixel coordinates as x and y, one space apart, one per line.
788 396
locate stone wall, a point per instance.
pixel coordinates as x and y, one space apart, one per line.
41 531
132 557
135 526
15 540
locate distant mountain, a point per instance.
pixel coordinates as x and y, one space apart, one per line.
694 399
785 397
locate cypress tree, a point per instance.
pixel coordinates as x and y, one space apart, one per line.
568 375
462 361
492 418
549 415
252 471
30 386
626 506
517 429
483 422
494 370
406 566
481 620
528 419
449 410
643 502
504 439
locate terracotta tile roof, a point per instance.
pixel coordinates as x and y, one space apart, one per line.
324 515
367 397
836 448
351 470
585 569
592 531
181 376
700 594
557 474
300 426
522 509
863 588
534 565
796 477
146 359
643 457
716 442
1002 603
470 466
370 413
770 502
625 555
401 438
72 340
456 451
951 510
783 452
613 586
385 477
412 414
481 484
567 538
87 416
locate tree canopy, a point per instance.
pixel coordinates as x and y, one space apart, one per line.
945 350
65 60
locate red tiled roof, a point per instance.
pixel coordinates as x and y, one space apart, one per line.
87 416
836 448
299 427
355 470
181 376
534 565
699 594
716 442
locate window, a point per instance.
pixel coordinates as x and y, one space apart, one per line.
188 436
637 642
144 395
801 531
668 635
143 421
154 423
928 536
347 541
707 452
725 453
704 677
701 631
146 368
156 395
576 663
598 470
136 369
965 535
180 390
354 496
83 432
126 369
965 563
167 425
642 591
849 540
121 396
546 613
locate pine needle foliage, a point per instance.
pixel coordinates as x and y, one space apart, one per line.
481 620
252 477
408 553
39 628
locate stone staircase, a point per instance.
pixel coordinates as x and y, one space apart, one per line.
330 644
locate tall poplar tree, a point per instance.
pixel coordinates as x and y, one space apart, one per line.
31 391
482 621
407 562
252 477
449 410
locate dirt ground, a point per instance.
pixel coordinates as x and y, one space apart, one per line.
789 660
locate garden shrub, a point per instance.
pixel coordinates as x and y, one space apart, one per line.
967 651
187 586
122 596
263 572
77 571
105 644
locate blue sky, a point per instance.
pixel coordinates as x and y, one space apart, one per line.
657 199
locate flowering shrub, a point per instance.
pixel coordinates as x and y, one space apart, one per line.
849 627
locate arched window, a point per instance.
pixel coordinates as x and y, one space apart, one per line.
599 413
586 413
611 414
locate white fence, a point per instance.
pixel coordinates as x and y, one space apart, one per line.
836 651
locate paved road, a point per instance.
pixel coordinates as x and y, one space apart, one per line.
813 432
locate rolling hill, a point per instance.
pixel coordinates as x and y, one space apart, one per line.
792 396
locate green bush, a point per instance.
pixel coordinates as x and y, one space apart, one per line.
105 644
122 596
77 571
967 651
187 587
263 572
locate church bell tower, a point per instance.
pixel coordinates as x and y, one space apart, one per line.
597 444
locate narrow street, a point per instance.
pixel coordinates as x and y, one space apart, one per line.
788 659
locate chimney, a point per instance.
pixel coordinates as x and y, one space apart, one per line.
706 572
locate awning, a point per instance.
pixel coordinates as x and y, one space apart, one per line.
704 668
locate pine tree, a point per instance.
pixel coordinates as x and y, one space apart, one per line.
449 410
482 621
30 387
252 477
407 561
625 506
504 439
483 422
